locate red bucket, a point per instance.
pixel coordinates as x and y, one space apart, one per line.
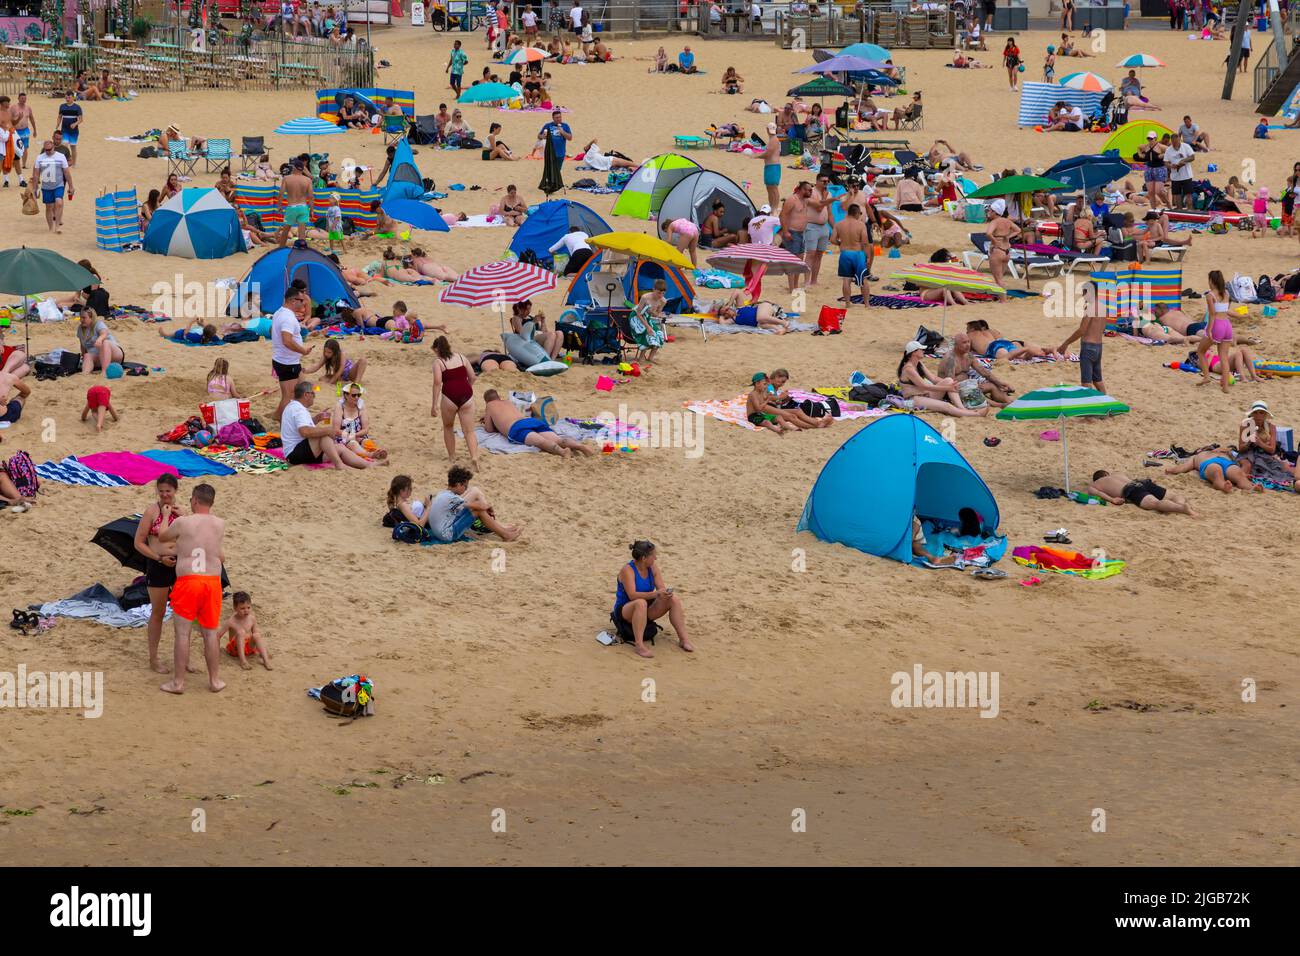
830 319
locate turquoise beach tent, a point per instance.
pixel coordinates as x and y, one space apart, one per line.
549 222
896 467
404 179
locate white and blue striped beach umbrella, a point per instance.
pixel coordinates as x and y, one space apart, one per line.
309 126
196 224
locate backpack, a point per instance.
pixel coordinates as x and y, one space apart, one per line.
22 472
870 394
235 435
1242 289
528 258
348 696
1264 290
410 533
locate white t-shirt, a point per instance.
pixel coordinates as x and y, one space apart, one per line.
294 418
762 229
571 243
57 163
575 17
528 18
1173 155
284 320
1073 114
594 158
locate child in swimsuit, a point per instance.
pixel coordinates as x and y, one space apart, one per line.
220 385
245 639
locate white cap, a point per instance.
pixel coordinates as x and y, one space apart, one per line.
1260 407
913 346
771 129
1151 135
999 206
765 209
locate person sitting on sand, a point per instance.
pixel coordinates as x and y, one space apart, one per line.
1257 449
759 410
732 82
964 61
927 392
787 407
245 639
640 597
496 149
1218 469
336 369
460 507
220 384
1066 47
11 409
351 423
308 443
502 418
99 349
1119 489
352 116
990 344
514 209
960 365
759 315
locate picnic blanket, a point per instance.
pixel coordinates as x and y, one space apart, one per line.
70 471
189 463
732 410
245 461
127 465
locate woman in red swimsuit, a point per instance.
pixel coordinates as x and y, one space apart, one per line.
453 396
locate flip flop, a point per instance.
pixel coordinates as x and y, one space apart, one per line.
988 574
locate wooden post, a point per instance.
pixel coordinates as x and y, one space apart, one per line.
1234 46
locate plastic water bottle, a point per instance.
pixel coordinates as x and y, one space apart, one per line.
1212 168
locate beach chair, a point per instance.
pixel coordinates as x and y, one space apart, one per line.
395 128
180 160
1077 259
1122 248
979 256
914 120
252 149
218 155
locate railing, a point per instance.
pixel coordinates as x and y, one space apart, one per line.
1266 67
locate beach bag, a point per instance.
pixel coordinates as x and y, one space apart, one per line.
871 394
348 696
970 394
829 319
22 472
1264 290
30 208
228 411
235 435
1242 289
408 532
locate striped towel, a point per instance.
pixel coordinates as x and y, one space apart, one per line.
72 472
1037 98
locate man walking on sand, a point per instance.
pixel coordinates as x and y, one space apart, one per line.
853 238
25 126
1092 327
794 220
772 167
196 595
295 196
817 234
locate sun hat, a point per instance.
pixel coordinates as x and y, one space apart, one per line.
999 206
1151 135
1260 407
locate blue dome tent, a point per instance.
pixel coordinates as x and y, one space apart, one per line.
272 273
404 179
896 467
549 222
638 278
195 224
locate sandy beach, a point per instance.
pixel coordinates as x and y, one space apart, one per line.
1123 694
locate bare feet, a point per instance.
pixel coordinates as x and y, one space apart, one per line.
216 686
642 650
686 645
160 667
511 532
171 687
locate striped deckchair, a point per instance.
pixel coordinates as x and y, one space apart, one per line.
355 204
261 199
1138 289
1037 98
117 220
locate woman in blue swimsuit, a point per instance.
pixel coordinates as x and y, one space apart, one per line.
640 597
1218 470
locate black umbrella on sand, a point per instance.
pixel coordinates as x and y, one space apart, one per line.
552 177
118 539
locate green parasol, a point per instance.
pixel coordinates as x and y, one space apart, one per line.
26 272
1061 402
1014 185
821 87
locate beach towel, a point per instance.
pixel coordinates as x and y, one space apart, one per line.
245 461
732 410
97 603
70 471
598 190
480 222
189 463
898 302
501 445
1062 561
1037 98
1069 357
278 453
719 328
135 469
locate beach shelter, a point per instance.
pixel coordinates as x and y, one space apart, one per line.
195 224
640 278
893 469
417 214
693 198
1060 402
651 183
272 273
404 179
550 222
117 220
1037 98
1131 137
1138 289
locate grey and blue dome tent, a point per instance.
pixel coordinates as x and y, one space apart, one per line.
404 179
272 273
693 197
549 222
896 467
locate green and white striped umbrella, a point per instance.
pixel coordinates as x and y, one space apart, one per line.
1061 402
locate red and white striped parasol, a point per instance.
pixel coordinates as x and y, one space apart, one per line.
779 262
507 282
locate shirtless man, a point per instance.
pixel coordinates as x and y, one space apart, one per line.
1146 494
1217 468
772 167
1089 333
502 417
1167 325
25 126
960 364
1000 231
196 595
295 196
990 344
794 220
817 233
854 239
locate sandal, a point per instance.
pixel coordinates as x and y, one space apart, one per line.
1059 536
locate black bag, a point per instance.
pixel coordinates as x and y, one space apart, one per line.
50 366
135 368
528 258
624 629
1292 284
813 409
929 338
1264 290
411 533
135 595
341 701
872 394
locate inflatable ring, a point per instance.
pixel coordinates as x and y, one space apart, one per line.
1278 368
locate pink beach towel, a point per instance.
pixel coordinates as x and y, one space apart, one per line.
128 466
279 453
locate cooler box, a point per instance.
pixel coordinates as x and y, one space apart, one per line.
217 415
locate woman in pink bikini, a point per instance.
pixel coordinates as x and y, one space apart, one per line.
1218 331
687 232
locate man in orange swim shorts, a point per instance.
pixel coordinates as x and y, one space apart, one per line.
196 595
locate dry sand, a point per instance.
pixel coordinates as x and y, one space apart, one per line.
492 692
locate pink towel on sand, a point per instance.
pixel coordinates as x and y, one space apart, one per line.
279 453
127 465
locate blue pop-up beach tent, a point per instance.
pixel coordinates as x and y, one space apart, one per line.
550 222
896 467
272 273
638 277
404 179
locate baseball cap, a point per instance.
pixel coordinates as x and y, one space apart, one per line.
1151 135
757 377
765 209
913 346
